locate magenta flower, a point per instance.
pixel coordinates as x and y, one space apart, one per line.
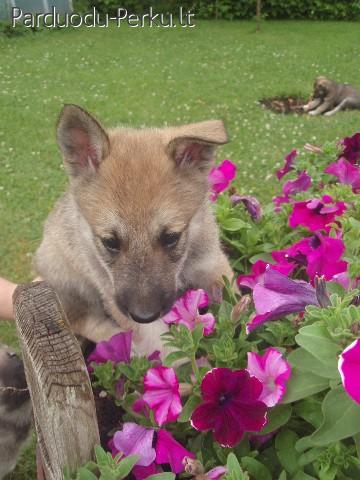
325 257
276 296
351 148
134 439
186 311
289 164
346 173
316 214
141 473
251 204
220 178
117 349
231 405
162 394
349 368
168 450
320 255
257 271
273 372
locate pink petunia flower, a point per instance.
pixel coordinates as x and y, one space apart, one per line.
276 296
141 473
216 473
273 372
117 349
134 439
161 394
289 164
351 149
257 271
349 368
168 450
220 178
186 311
231 405
346 173
316 214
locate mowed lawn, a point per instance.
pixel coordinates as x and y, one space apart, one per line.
156 77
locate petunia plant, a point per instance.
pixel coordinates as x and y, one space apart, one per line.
262 380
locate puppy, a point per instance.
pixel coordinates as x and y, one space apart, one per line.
135 229
15 409
330 97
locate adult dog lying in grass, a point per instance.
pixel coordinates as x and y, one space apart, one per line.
134 230
330 97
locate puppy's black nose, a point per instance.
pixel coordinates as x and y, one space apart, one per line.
144 317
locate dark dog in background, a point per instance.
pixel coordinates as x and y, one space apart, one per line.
15 409
330 97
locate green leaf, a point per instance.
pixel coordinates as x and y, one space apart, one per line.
255 468
85 474
303 384
277 417
265 257
310 410
188 408
125 466
285 450
162 476
303 476
174 357
310 456
101 456
234 469
233 224
282 475
316 339
304 360
341 418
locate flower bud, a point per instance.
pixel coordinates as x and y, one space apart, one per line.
240 308
192 466
321 292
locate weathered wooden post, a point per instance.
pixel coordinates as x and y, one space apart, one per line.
60 389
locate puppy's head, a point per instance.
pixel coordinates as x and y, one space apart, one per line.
11 375
322 86
140 192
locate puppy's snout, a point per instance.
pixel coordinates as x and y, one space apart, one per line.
144 317
144 308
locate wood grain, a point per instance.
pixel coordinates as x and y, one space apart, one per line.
60 389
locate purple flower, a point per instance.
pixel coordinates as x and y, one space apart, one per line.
346 173
273 372
257 271
169 451
349 368
230 405
141 473
276 296
301 184
186 311
134 439
162 394
316 214
289 164
351 149
216 473
251 204
220 178
295 255
117 350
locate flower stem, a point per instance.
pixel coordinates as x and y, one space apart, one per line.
195 368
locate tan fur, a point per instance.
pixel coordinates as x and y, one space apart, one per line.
330 97
138 183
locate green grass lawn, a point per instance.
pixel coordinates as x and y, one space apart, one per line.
153 77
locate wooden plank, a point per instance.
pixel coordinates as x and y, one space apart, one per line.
60 389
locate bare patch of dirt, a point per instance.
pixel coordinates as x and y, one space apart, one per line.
284 104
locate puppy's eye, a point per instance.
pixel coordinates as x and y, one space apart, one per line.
170 240
111 243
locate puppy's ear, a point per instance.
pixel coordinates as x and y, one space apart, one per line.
82 140
194 145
